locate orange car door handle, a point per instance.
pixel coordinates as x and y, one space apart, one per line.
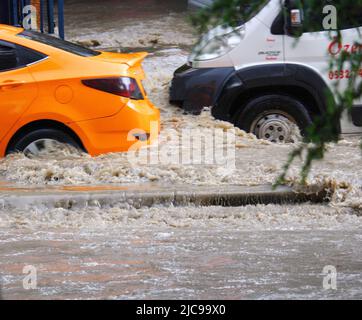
10 84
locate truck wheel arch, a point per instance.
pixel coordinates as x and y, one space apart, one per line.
299 81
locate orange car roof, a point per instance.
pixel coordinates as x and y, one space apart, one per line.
4 28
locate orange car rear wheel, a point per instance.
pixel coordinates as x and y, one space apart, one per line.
34 142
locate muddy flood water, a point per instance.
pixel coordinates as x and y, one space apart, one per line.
123 252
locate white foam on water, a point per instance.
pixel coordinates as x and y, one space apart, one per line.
257 161
261 217
178 252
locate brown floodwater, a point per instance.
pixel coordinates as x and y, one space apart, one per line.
121 24
120 252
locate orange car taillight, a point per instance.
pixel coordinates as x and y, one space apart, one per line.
123 86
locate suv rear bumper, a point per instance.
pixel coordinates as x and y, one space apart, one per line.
193 89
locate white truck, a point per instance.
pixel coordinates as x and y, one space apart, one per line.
263 78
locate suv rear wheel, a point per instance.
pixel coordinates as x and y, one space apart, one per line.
274 118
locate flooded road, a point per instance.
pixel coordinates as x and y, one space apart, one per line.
118 252
260 252
159 265
123 24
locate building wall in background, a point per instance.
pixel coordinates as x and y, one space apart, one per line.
4 11
36 4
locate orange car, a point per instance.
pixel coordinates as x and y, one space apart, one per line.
55 90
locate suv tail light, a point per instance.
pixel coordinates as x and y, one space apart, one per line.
122 86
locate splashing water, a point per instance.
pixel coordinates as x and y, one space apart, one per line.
257 161
119 251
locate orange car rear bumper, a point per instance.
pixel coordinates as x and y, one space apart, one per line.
117 133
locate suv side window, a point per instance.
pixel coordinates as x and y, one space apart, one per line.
313 19
347 18
23 57
353 19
